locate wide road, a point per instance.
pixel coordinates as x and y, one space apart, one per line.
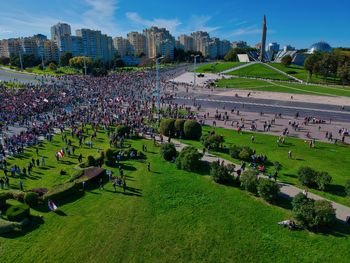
9 75
268 106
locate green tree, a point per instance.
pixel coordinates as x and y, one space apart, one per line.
344 73
310 64
64 59
168 151
4 61
249 181
303 210
268 190
78 62
287 60
189 159
231 56
52 66
220 173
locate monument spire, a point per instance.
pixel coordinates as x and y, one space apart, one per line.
263 41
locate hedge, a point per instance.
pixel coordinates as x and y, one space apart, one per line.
167 127
31 199
192 130
61 191
18 212
168 151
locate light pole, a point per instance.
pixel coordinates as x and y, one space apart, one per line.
158 87
194 70
85 67
20 59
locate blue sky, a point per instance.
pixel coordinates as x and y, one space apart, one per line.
296 22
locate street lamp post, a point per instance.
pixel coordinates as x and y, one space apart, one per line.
158 87
194 70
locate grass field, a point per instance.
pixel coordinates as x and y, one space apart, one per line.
217 67
273 86
168 216
300 73
259 71
324 157
59 71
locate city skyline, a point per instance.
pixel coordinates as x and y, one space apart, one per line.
117 18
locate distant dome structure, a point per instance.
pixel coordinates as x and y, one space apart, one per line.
320 47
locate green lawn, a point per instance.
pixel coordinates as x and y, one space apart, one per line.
300 73
217 67
324 157
169 216
59 71
274 86
259 71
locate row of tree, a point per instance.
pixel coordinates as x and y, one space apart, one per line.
329 65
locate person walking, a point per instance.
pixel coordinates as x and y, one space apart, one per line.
149 167
101 185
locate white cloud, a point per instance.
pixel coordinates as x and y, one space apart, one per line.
100 15
170 24
200 23
251 30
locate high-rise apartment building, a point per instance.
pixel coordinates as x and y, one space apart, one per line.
186 42
138 43
96 45
122 46
159 42
60 30
201 42
239 44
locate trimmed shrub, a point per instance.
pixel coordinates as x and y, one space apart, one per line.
31 199
268 190
234 151
167 127
168 151
306 176
324 213
212 141
303 210
179 127
323 179
39 191
16 194
18 212
249 181
91 175
311 178
242 153
61 191
76 175
220 173
189 159
192 130
245 154
122 130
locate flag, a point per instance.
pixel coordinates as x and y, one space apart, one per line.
52 206
60 153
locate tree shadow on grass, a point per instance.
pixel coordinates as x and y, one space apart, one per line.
128 167
60 213
335 189
34 223
338 229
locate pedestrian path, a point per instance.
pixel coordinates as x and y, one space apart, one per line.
287 190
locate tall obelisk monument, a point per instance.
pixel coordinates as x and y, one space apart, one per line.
263 41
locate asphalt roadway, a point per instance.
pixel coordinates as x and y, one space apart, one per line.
10 76
286 108
268 106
